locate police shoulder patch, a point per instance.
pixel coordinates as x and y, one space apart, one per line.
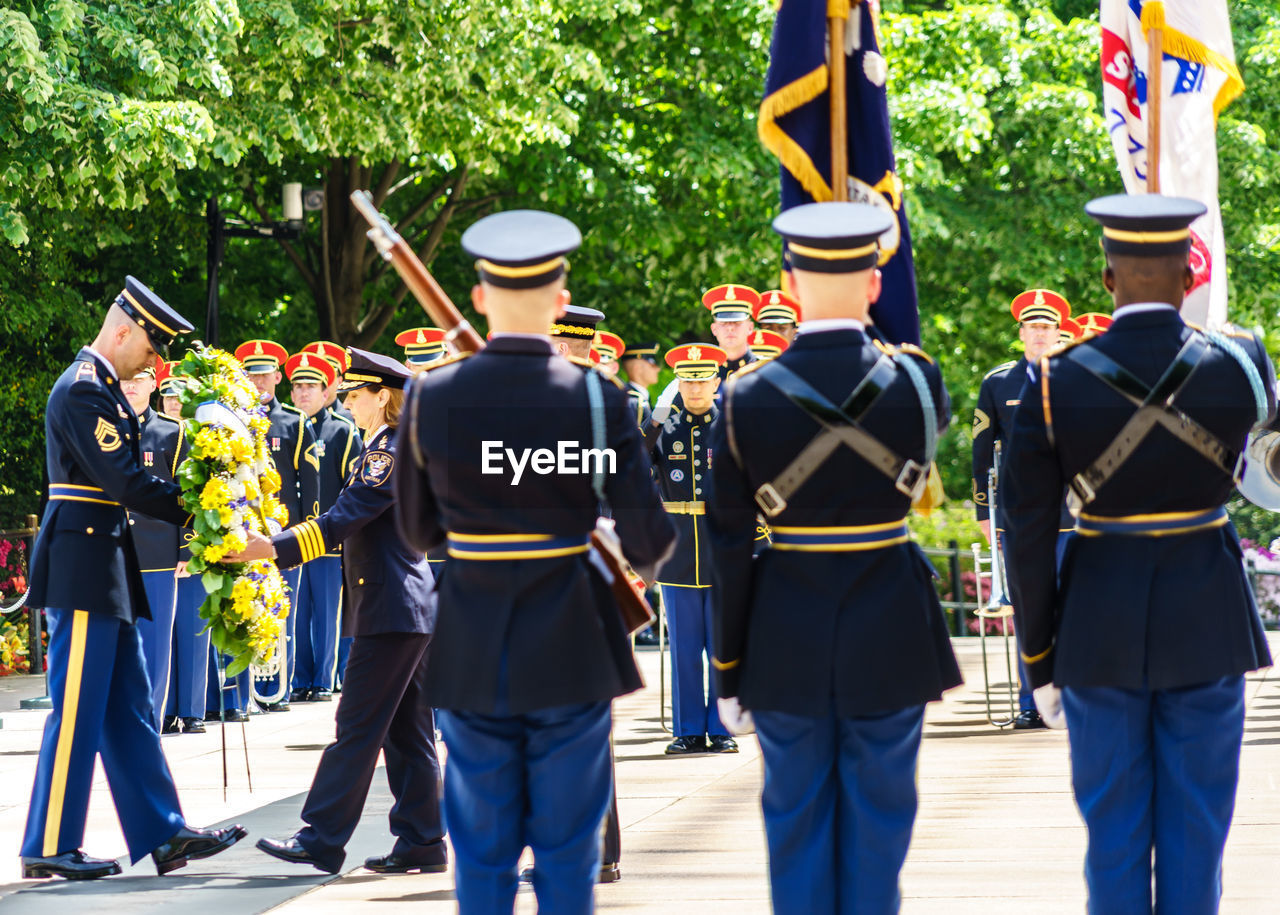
1002 367
375 467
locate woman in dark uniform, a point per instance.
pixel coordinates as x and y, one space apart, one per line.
392 598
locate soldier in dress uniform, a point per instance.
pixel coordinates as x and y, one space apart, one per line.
731 306
640 362
530 647
610 348
292 446
319 608
1142 639
574 331
391 614
833 638
766 344
338 358
189 660
682 460
422 346
779 313
1041 314
85 573
156 541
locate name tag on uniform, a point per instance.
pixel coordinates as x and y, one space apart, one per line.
677 457
1012 403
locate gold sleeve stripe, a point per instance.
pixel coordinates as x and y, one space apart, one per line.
724 665
1032 659
310 540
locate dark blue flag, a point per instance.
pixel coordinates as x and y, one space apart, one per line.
795 124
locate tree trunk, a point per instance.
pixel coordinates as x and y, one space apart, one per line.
355 297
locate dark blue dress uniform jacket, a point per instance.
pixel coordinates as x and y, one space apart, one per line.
389 587
94 460
162 446
682 461
292 446
517 635
998 397
1131 612
337 446
810 633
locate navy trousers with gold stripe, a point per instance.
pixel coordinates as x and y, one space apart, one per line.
318 613
101 704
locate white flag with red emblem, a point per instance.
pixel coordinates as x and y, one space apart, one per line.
1198 78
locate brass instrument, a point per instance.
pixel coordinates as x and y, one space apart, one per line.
997 605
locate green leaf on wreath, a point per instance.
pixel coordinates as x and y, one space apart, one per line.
212 582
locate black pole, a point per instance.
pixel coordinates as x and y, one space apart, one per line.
957 588
35 636
214 218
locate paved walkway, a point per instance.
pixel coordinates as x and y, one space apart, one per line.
997 830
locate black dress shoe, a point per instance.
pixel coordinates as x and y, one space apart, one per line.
170 725
609 873
648 638
291 850
233 715
189 844
697 744
1028 720
298 695
723 743
192 726
281 706
321 695
73 865
399 864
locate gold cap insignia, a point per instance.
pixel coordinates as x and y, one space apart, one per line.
695 353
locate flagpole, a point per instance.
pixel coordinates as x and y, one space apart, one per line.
837 22
1155 98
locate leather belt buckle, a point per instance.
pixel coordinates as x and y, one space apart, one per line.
910 479
770 501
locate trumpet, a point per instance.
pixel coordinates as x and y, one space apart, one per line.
996 606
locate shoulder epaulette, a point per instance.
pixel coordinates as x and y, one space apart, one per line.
1060 348
588 364
912 350
172 419
1233 330
447 360
1002 367
749 368
292 409
346 419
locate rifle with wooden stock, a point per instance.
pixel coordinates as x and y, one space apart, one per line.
628 588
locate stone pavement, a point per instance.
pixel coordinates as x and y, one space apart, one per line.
997 830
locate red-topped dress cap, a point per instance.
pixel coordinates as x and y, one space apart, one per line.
766 344
308 366
731 301
777 307
336 354
261 355
1040 306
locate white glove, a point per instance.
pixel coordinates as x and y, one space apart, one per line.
1049 704
734 717
668 397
